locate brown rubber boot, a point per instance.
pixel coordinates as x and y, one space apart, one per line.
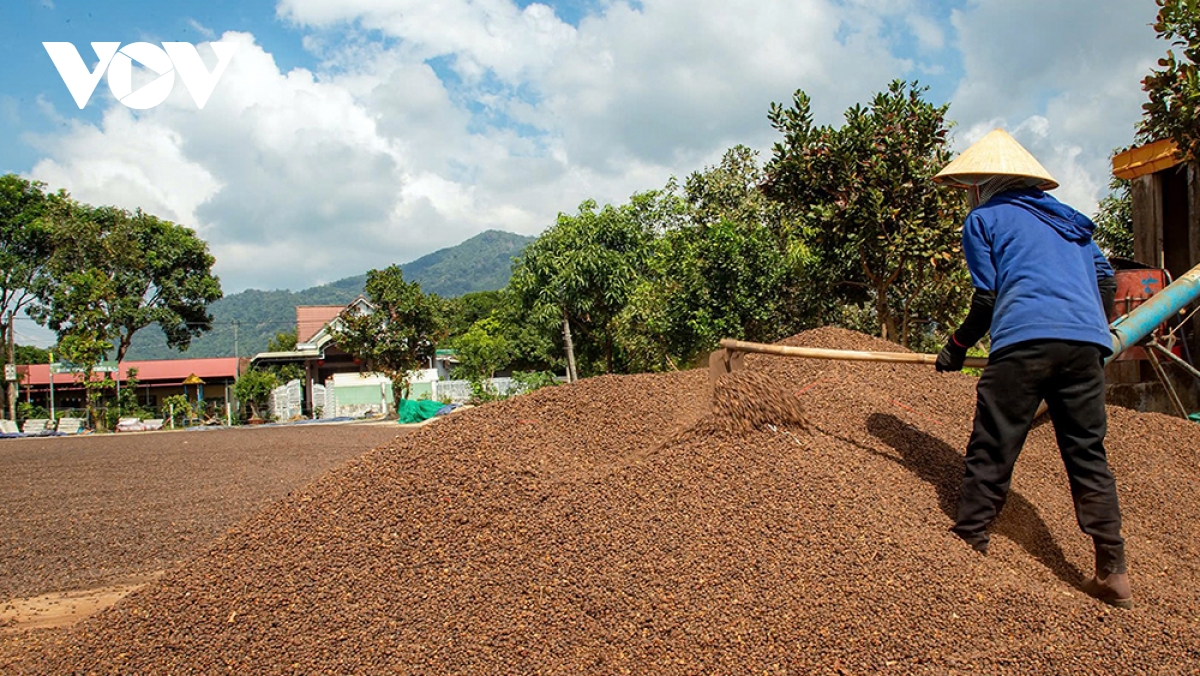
1113 589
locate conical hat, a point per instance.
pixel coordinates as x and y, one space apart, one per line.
996 154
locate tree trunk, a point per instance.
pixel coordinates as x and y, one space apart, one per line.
883 313
887 323
10 386
572 375
123 342
92 399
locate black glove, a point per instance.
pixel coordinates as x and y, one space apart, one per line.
975 326
951 357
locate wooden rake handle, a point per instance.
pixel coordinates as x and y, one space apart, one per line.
733 346
847 355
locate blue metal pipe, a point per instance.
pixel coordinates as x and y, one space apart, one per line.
1131 328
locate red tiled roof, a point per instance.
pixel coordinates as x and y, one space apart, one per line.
312 318
171 370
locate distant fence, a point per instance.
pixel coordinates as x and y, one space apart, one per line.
286 401
458 391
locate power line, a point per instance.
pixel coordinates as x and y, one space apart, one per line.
22 335
263 322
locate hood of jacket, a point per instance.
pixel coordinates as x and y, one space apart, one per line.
1066 221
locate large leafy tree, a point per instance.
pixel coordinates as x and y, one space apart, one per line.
154 272
461 312
24 251
1173 108
25 244
531 340
483 349
29 354
1114 220
713 280
864 201
719 271
76 300
83 338
531 346
730 191
284 341
583 270
399 334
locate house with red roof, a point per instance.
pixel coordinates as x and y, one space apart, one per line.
315 350
327 367
208 380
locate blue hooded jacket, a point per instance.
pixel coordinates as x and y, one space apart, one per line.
1037 255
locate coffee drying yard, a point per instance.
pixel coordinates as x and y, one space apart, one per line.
621 524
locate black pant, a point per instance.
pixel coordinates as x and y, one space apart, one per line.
1069 377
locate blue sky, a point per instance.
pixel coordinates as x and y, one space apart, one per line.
353 134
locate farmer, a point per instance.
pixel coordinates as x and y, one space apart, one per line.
1042 288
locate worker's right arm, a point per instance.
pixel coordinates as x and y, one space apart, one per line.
974 327
977 249
979 319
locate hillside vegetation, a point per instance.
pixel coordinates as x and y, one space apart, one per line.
481 263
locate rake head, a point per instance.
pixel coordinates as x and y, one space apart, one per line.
723 361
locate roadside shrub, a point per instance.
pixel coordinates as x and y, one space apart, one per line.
26 410
528 381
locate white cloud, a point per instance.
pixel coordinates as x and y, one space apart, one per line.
673 83
474 114
928 33
482 35
127 162
1072 75
200 28
664 82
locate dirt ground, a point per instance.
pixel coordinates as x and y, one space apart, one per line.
85 520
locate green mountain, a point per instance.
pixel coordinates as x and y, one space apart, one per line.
244 322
